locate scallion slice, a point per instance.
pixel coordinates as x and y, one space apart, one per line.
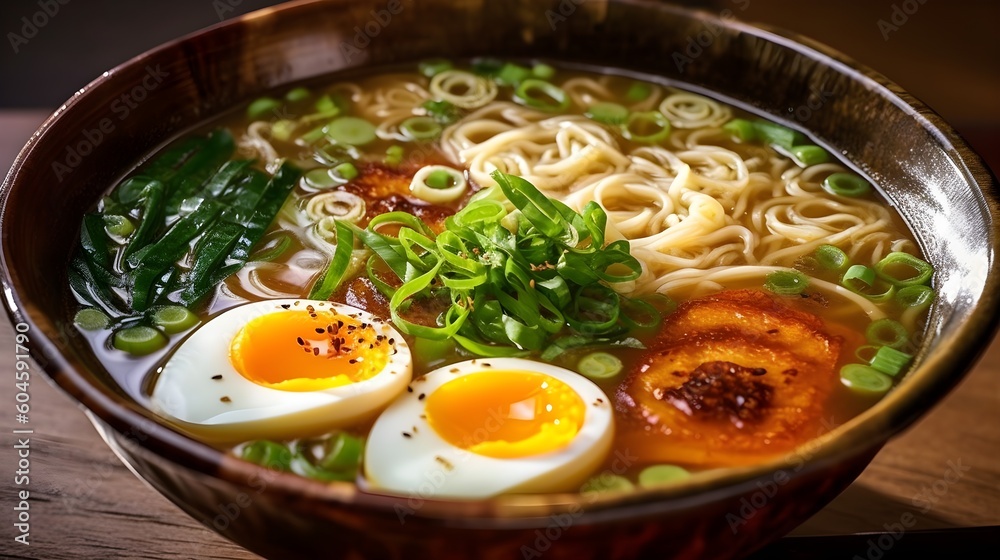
542 95
786 282
915 296
647 127
638 91
261 107
607 482
393 155
865 380
608 113
658 475
543 71
599 365
512 74
890 361
139 341
346 171
808 154
831 258
434 66
742 129
174 319
846 184
887 332
91 319
352 131
118 226
420 128
297 94
268 454
344 453
773 133
903 269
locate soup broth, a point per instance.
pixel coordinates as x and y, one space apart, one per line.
592 261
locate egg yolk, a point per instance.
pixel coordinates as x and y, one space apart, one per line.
506 414
308 349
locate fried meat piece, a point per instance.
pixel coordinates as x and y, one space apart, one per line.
732 379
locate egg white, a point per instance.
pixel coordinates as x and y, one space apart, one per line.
422 463
186 393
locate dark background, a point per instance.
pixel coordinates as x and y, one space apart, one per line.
947 53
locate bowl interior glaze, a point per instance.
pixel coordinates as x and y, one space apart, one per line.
925 170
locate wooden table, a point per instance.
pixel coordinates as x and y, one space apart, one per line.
86 504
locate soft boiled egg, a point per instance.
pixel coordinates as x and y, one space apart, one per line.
280 369
490 426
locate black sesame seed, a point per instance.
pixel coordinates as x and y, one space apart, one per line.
422 396
407 435
217 377
285 306
409 389
300 341
226 399
320 331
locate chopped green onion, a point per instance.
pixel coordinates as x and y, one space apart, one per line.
91 319
297 94
773 133
432 352
830 257
322 178
346 171
861 280
314 135
330 279
658 475
443 112
174 319
915 296
118 226
866 353
808 154
344 453
846 184
742 129
326 104
887 332
393 155
434 66
638 91
865 380
903 269
268 454
420 128
608 113
541 95
647 127
351 131
261 107
139 341
283 129
512 74
890 361
543 71
786 282
487 66
607 482
599 365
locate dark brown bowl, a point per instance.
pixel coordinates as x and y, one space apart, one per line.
938 184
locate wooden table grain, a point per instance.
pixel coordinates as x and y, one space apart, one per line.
86 504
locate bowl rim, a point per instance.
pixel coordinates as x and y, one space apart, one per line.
869 430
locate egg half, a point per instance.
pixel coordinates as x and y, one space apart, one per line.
490 426
280 369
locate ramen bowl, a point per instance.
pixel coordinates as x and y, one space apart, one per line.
939 186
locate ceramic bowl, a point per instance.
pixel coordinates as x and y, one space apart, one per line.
937 183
